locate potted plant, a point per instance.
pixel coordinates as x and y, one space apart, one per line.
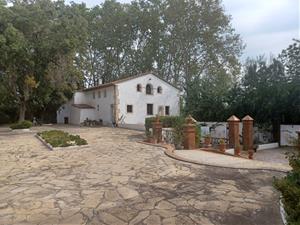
222 145
207 140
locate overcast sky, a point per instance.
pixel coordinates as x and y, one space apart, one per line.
266 26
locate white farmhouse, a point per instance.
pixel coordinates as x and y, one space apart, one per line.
126 102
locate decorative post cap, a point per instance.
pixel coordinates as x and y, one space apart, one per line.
233 118
190 120
247 118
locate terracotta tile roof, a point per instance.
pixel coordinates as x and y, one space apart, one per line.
126 79
83 106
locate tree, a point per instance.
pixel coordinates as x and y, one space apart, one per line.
35 38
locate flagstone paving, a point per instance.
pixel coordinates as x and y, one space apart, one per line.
119 181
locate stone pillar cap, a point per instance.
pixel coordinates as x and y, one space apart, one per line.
190 120
233 118
247 118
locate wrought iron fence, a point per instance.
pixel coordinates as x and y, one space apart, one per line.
215 141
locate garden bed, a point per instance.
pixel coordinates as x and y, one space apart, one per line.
57 139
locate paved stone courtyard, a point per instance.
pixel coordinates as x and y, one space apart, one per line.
119 181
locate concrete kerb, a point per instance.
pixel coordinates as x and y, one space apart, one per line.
51 148
169 151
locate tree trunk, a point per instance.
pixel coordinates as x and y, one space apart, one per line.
22 111
276 130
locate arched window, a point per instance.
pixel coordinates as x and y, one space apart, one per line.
159 89
149 89
139 87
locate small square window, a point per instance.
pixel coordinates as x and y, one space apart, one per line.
149 109
129 108
139 88
167 110
159 89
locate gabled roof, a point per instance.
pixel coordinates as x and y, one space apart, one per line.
126 79
83 106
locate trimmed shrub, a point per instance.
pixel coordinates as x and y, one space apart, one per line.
167 121
58 138
21 125
289 186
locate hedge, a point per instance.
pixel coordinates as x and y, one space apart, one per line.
21 125
289 186
167 121
58 138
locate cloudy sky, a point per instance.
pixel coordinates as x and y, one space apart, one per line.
266 26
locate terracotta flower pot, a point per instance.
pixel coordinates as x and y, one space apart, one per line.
250 154
222 147
237 150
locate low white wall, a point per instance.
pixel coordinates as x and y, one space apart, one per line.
288 134
267 146
221 130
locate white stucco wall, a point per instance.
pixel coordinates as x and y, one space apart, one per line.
79 97
74 116
87 113
63 111
104 103
288 134
128 95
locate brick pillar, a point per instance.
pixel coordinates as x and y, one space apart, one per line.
189 132
248 135
157 130
234 131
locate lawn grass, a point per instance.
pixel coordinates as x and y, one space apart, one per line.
58 138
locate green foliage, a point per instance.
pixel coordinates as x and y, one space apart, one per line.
198 135
38 43
25 124
178 131
58 138
167 121
175 122
289 186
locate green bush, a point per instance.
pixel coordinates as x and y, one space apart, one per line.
167 121
198 135
58 138
289 186
175 122
21 125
